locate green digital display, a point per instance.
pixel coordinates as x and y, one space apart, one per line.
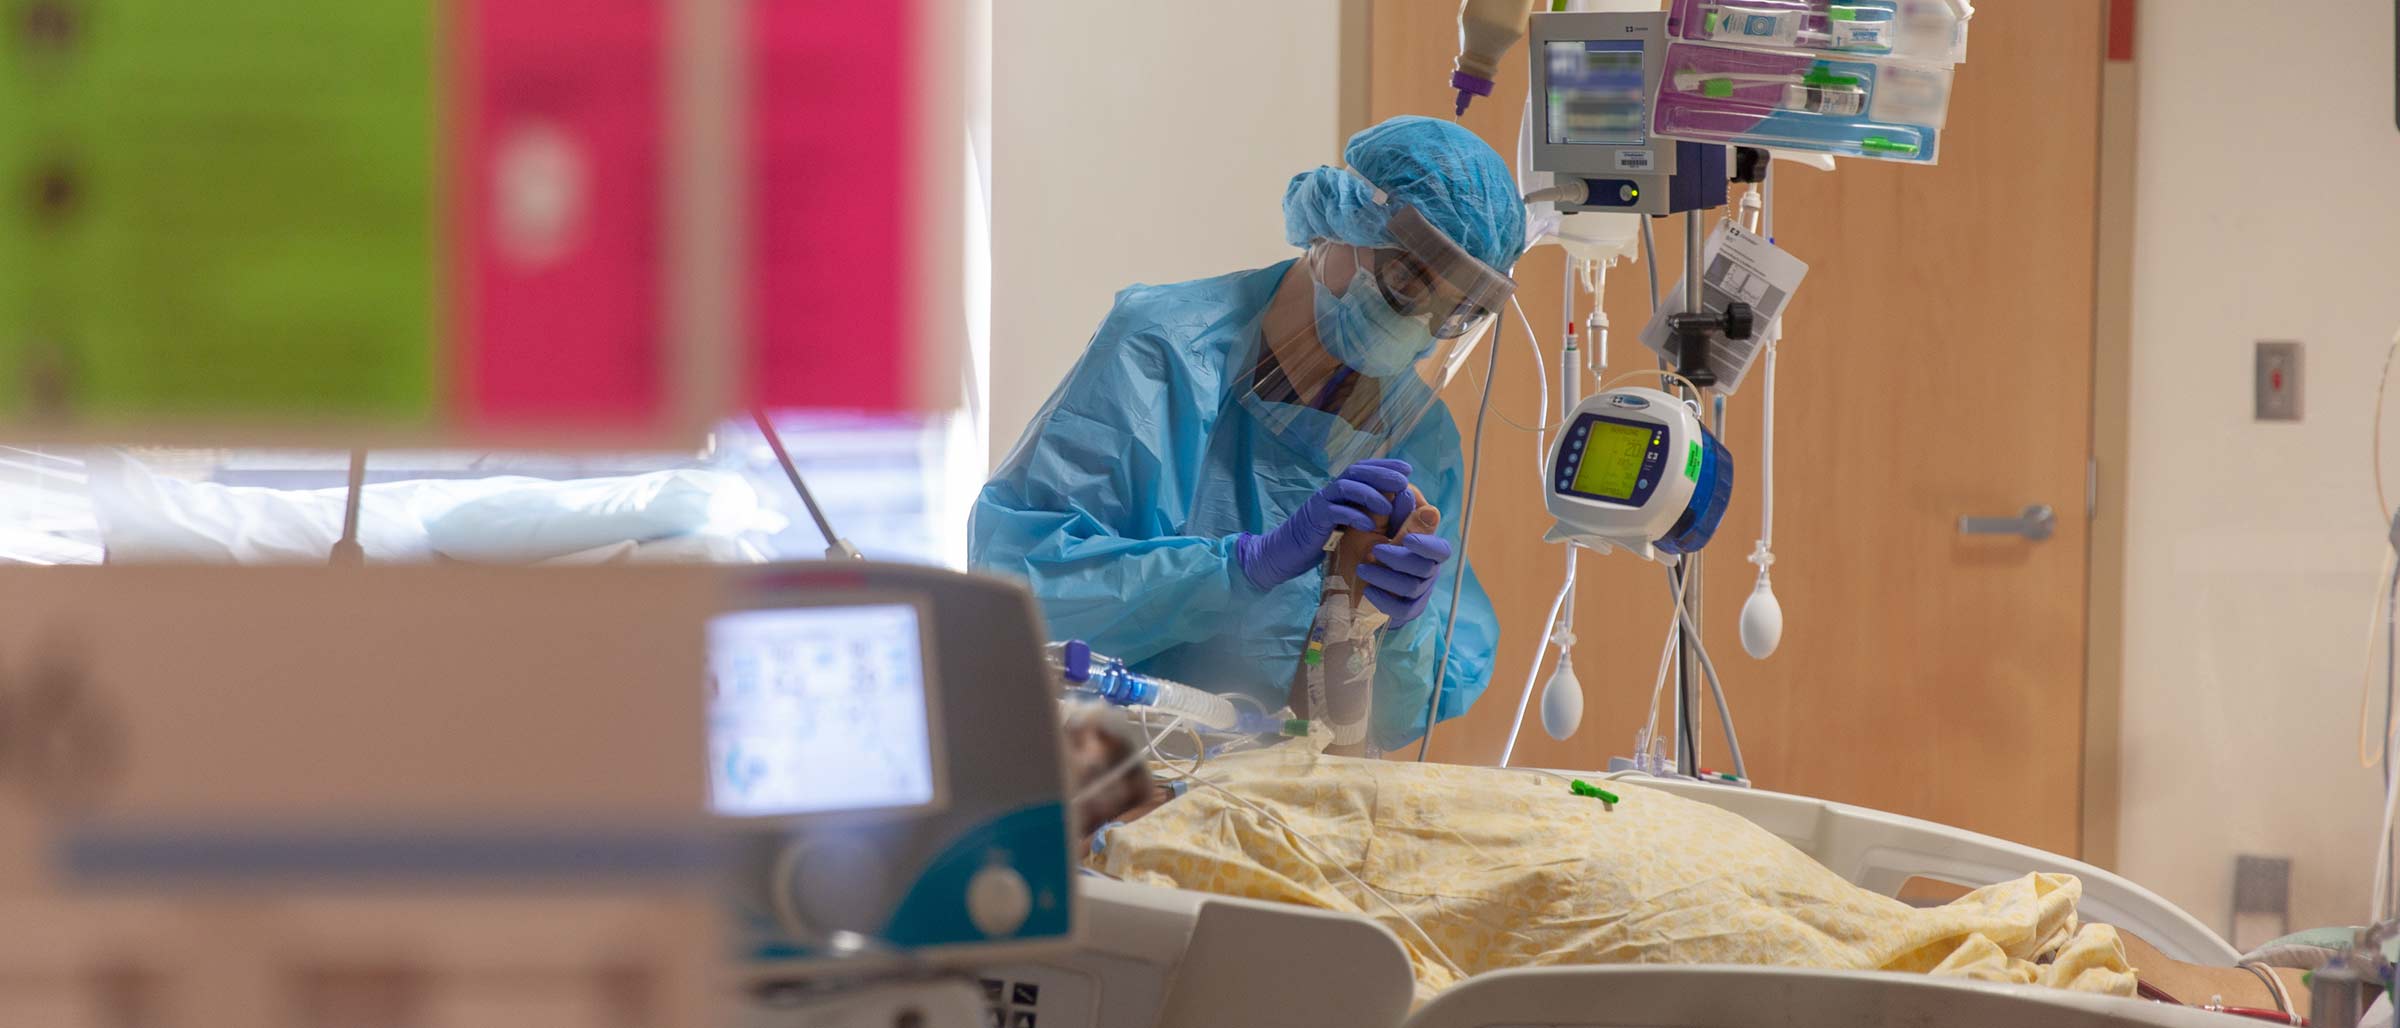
1612 460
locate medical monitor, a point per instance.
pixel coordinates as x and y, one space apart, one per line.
1595 78
814 710
884 758
1595 92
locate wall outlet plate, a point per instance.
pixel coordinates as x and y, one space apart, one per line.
2276 382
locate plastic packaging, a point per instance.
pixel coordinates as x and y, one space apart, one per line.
1928 31
1856 78
1792 100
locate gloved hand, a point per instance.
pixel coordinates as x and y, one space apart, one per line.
1399 574
1359 498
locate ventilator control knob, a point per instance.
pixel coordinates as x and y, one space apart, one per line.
998 901
832 885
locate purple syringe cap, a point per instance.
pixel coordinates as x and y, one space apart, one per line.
1079 661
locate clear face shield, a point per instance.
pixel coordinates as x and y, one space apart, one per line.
1359 341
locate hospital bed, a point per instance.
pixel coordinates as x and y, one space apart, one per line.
1172 958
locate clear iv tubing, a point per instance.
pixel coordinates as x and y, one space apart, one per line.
1441 671
1533 673
2377 615
1541 374
2382 897
1716 688
1663 375
1109 679
2391 519
2389 582
1563 602
1645 740
1766 420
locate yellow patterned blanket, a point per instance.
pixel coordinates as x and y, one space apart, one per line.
1501 869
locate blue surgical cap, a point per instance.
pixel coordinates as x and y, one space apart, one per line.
1447 173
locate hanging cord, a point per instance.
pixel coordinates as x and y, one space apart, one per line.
2382 895
2384 850
2391 521
2385 872
2385 583
2283 997
1147 751
1556 627
347 552
1542 424
1762 554
1687 714
1533 673
1650 260
1663 375
1647 739
2383 504
1708 668
1458 580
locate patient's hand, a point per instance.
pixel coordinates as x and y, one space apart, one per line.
1094 751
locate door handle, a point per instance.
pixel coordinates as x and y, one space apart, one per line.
2037 523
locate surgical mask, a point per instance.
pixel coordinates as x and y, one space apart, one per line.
1363 331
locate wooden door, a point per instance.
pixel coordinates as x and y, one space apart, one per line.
1937 363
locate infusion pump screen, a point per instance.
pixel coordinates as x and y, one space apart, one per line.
1595 92
1611 466
817 709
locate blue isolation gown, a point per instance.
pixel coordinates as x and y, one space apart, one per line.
1120 505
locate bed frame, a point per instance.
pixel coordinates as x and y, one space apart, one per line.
1169 958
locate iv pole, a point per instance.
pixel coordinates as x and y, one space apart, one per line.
1688 682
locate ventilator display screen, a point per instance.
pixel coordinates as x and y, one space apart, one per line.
1611 463
816 709
1595 92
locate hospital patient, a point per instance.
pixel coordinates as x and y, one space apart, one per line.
1481 869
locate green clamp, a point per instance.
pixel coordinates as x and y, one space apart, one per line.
1608 800
1823 76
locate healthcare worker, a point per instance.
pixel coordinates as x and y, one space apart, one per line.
1172 502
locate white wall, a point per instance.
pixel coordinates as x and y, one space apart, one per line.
2268 208
1139 141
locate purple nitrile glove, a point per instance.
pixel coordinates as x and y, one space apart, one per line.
1399 575
1357 498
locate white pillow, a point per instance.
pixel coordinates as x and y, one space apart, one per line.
698 548
145 516
555 519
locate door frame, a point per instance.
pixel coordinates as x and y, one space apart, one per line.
2112 373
